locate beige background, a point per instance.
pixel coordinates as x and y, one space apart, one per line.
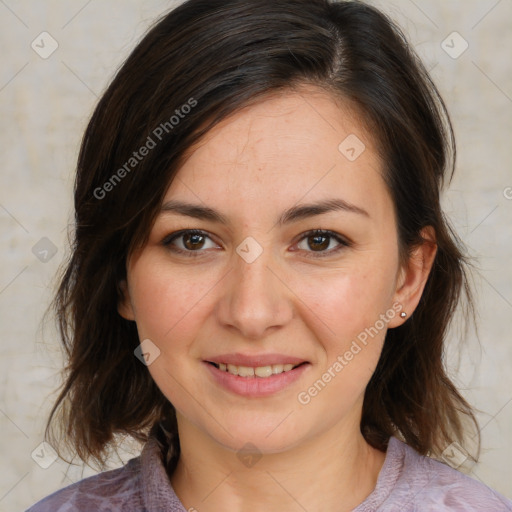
45 104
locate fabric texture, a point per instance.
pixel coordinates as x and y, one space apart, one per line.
407 482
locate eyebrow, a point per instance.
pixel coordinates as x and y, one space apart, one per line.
293 214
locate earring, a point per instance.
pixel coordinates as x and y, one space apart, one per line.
403 314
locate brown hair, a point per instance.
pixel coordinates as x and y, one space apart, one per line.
207 59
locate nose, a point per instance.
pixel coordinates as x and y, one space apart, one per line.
256 299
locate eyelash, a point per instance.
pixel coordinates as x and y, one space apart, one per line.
167 241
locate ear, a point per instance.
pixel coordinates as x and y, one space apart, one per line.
414 274
124 305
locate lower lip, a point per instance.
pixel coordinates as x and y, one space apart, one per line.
256 387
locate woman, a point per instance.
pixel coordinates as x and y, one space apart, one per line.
262 277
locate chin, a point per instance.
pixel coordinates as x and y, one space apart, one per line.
270 436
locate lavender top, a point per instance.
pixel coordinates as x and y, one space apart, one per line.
407 482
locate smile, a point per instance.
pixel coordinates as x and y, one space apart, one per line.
257 378
262 372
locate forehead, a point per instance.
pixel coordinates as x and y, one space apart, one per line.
281 149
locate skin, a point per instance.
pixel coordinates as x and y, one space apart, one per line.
251 167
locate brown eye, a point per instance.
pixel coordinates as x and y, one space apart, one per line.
189 241
318 242
322 242
193 241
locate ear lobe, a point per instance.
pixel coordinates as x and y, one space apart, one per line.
124 305
414 275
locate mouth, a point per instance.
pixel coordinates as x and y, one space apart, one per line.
255 375
262 372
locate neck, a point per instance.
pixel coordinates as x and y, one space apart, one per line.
335 471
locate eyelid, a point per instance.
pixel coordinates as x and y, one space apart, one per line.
342 241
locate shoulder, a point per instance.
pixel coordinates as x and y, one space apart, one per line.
118 489
428 484
140 485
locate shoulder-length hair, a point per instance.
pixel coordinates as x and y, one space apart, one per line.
198 64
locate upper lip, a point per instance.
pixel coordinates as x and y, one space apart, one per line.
255 361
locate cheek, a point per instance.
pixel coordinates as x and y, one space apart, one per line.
168 302
347 301
351 332
349 306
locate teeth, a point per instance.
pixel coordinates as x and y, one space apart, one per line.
245 371
260 371
233 369
277 368
263 371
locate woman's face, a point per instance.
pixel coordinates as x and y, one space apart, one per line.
256 289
